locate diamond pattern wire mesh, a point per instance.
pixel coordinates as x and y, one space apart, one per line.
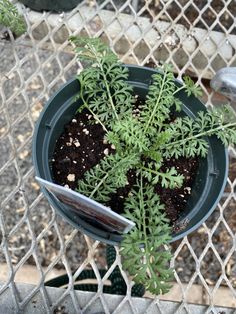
198 38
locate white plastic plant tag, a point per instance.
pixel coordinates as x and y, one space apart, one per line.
85 207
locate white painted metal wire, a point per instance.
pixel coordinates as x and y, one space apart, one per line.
198 38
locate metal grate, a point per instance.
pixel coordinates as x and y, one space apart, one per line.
198 38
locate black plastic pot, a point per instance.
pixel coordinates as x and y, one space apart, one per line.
209 182
51 5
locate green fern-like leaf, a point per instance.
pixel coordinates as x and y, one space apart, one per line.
131 135
91 49
155 156
144 255
183 130
169 179
187 136
177 104
159 101
105 178
103 87
191 88
10 17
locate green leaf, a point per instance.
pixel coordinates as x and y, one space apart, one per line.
10 17
130 132
143 252
191 88
188 136
169 179
105 178
103 85
158 101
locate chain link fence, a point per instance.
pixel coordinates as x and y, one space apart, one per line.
197 38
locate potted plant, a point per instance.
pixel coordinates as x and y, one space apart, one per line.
140 142
10 17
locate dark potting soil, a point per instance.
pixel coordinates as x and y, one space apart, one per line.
81 146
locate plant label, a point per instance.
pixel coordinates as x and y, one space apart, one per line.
87 208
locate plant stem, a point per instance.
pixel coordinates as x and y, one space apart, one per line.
157 103
91 111
179 89
105 80
150 170
214 130
98 185
146 246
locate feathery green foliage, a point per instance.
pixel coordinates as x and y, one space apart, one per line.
128 135
188 137
159 101
191 88
143 248
107 176
10 17
103 87
142 141
169 179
